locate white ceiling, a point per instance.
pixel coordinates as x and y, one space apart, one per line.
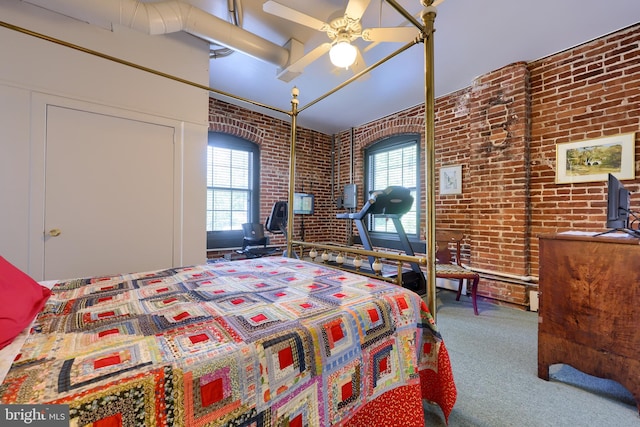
472 38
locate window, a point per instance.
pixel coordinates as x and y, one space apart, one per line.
394 161
232 189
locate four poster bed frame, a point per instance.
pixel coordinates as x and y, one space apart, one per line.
426 31
266 341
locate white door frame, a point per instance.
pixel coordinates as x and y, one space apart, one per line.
37 186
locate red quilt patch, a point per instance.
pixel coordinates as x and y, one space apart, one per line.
259 318
106 314
181 316
296 422
383 365
336 333
108 332
347 391
107 361
114 420
402 303
285 357
212 392
198 338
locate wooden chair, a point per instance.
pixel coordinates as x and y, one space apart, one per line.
449 267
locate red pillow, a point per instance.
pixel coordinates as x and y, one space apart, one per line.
21 299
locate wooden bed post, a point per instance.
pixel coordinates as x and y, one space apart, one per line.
428 17
292 169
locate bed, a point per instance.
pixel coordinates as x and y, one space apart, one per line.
264 341
267 341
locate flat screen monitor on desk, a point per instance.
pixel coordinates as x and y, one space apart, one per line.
619 209
303 203
618 204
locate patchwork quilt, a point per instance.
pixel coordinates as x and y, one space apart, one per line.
258 342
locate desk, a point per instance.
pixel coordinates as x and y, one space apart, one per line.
589 315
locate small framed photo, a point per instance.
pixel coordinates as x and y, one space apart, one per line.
593 159
451 179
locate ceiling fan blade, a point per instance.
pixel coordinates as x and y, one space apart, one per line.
293 15
355 8
311 56
375 43
359 65
392 34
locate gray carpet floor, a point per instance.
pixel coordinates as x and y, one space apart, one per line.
494 362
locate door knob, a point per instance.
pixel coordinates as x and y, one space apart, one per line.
54 232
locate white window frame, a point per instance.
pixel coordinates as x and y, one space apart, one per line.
406 175
246 208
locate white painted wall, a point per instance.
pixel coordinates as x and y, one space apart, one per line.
31 67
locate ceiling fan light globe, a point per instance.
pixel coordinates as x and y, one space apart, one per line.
343 54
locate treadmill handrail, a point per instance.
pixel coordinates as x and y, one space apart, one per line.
394 200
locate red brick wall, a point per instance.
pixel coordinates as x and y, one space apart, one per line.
503 130
313 164
490 140
485 129
588 92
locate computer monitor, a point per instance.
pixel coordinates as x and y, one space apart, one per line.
618 205
303 203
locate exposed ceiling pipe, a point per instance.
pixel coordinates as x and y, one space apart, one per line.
234 7
169 17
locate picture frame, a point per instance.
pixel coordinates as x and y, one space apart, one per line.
451 179
592 160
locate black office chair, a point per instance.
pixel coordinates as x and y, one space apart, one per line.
277 222
254 235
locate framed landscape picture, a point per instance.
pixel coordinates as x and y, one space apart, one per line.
593 159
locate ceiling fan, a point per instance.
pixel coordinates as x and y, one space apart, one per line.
341 31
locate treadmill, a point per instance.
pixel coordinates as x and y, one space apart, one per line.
392 202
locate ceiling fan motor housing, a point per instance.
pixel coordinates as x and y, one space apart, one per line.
344 28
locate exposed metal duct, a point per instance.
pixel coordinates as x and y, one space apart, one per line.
234 7
169 17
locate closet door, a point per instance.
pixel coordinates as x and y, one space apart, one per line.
109 194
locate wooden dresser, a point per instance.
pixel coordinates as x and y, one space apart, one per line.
589 314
